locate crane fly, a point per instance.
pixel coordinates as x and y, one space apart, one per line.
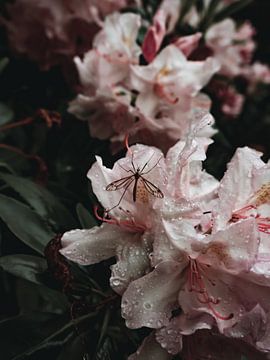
141 185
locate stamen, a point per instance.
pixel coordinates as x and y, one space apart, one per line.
262 222
169 97
197 284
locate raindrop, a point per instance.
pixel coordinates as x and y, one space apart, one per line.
147 305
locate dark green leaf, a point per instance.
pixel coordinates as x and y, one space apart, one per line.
105 352
41 200
27 267
74 349
27 225
6 113
3 63
86 219
20 333
231 9
60 336
186 5
38 298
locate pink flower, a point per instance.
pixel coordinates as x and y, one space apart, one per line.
221 271
133 221
187 44
154 104
154 36
52 32
115 49
193 338
109 103
256 73
170 78
231 102
126 234
247 181
171 9
231 47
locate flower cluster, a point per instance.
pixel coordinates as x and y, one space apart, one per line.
154 103
188 252
50 32
197 259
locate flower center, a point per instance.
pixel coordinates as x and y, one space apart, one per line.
160 90
196 284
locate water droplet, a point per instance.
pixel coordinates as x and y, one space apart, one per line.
147 305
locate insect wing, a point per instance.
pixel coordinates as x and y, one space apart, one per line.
120 184
151 188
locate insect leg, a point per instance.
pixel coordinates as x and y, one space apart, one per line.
126 188
147 162
151 167
124 168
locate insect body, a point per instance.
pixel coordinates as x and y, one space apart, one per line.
141 186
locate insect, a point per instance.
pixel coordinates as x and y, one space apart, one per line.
141 186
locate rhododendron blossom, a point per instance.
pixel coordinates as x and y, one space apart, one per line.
233 48
121 96
126 233
52 32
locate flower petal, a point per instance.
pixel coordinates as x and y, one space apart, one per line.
236 185
132 263
170 337
150 300
233 249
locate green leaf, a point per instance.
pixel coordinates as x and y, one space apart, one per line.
42 201
186 5
87 221
6 113
39 298
3 63
27 225
27 267
55 337
231 9
73 350
23 332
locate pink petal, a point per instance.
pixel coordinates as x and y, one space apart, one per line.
87 247
154 36
251 327
187 44
102 176
236 185
170 337
132 263
150 300
234 249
